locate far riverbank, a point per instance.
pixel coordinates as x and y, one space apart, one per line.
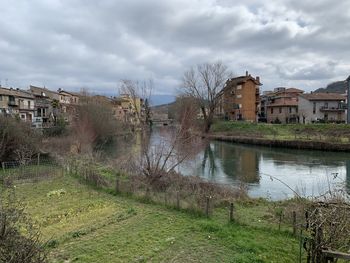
324 137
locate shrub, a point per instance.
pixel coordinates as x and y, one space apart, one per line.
19 238
18 141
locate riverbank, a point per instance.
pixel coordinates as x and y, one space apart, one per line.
89 225
325 137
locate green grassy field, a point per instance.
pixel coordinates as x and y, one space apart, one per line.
88 225
318 132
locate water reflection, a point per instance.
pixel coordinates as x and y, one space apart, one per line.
270 172
309 173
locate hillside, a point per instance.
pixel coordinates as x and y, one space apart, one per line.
335 87
161 111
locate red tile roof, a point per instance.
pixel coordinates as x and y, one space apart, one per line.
323 96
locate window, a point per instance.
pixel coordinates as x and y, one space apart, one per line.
0 97
240 106
28 104
239 87
290 109
314 108
326 105
39 112
271 110
280 109
23 116
239 96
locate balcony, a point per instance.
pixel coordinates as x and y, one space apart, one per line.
26 107
325 108
12 103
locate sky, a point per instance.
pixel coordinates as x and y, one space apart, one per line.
75 44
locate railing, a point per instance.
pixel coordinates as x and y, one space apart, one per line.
329 256
12 103
326 108
25 107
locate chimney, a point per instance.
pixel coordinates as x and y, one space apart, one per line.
258 79
246 73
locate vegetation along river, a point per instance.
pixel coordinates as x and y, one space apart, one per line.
267 172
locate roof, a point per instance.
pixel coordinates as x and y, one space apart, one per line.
69 92
292 90
16 92
323 96
242 79
37 91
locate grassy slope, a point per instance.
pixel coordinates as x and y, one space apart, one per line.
321 132
93 226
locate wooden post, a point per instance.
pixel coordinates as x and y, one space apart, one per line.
177 200
37 166
231 212
307 220
207 206
117 185
165 198
294 223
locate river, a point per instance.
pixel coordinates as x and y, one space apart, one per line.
274 173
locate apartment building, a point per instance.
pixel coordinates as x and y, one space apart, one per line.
239 98
282 105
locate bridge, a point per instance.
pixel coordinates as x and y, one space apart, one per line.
162 122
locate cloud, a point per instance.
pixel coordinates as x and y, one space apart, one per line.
93 44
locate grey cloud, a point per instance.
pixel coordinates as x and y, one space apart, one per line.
75 43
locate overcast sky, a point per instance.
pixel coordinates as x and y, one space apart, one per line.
94 44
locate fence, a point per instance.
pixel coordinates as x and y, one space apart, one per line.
185 193
35 169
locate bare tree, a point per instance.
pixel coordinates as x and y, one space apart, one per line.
139 93
204 83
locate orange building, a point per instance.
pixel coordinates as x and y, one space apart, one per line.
239 98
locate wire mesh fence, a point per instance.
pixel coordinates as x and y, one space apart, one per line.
35 169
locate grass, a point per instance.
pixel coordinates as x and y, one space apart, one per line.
87 225
319 132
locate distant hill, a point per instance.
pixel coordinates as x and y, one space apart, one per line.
161 99
162 109
335 87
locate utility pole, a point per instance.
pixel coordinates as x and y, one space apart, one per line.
348 108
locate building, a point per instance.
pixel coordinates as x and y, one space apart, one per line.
47 107
322 107
68 97
282 105
264 100
239 99
68 102
129 109
16 102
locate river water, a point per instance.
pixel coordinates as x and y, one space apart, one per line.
275 173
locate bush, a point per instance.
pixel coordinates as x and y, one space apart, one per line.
19 238
60 128
95 125
18 141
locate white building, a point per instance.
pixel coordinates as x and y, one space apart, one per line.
319 107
